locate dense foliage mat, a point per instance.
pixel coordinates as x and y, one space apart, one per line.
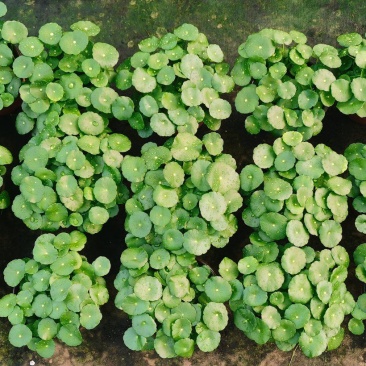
182 196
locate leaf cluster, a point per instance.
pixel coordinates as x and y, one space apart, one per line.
295 190
359 256
356 156
176 81
6 158
9 82
65 181
292 295
64 71
288 85
174 303
56 292
184 194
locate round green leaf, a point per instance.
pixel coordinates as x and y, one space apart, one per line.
142 81
208 340
31 46
257 46
50 33
330 233
313 346
215 316
269 277
148 288
90 316
293 260
74 42
144 325
20 335
101 266
246 100
47 329
70 335
323 78
105 190
299 289
105 54
218 289
14 31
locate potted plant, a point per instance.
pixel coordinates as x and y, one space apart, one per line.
71 177
69 173
348 89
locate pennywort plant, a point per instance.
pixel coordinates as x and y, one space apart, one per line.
64 70
176 83
291 295
347 91
6 158
359 256
184 197
56 292
282 87
9 82
287 84
356 156
295 190
185 194
174 303
69 181
356 324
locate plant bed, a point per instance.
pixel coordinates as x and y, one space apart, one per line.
182 197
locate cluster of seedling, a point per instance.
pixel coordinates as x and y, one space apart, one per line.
287 84
184 197
185 193
289 292
9 82
55 292
70 173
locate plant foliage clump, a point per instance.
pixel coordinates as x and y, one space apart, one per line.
69 182
172 301
177 81
292 295
185 194
288 85
11 34
55 293
294 190
6 158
